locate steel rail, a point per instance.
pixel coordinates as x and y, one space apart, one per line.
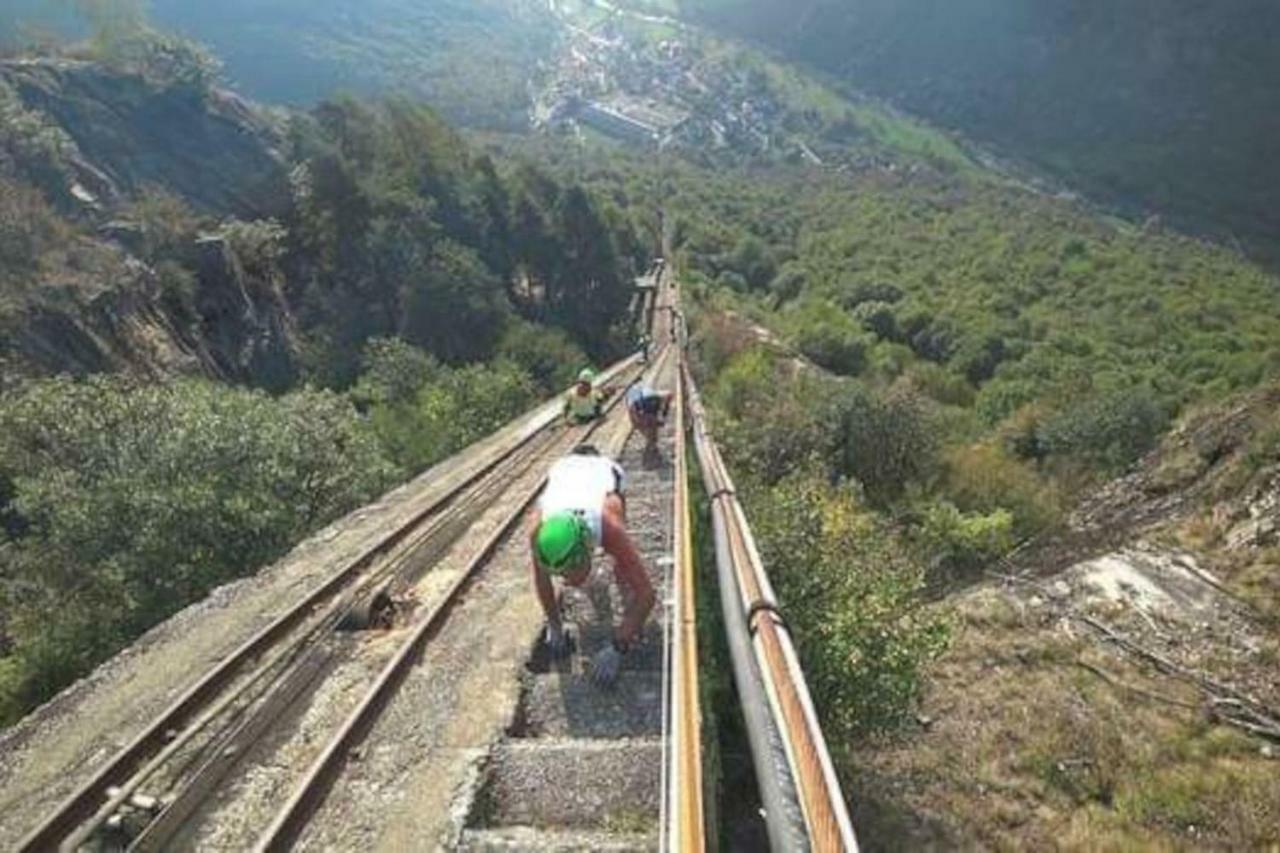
687 812
85 802
290 657
319 777
825 812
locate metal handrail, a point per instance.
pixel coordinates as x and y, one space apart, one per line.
750 604
685 828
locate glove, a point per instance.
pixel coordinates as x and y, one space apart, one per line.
557 640
605 667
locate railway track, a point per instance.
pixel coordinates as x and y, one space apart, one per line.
399 702
149 789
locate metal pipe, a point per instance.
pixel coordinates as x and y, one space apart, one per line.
784 817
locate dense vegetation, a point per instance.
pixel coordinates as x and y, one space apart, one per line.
962 359
1156 111
1034 348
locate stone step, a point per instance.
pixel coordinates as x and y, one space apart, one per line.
567 704
573 784
527 839
591 637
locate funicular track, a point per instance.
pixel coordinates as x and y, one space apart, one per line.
183 753
309 736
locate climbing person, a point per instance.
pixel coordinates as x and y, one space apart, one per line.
644 344
648 409
584 402
582 508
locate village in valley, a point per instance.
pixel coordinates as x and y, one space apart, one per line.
654 81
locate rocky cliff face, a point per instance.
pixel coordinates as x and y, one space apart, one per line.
212 148
95 306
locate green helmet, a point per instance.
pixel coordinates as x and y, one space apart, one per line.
587 375
561 542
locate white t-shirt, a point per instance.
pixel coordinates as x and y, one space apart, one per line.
579 484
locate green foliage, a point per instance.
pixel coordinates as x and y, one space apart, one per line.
37 147
136 500
28 229
851 595
956 542
885 441
167 224
407 234
829 337
772 425
394 372
549 355
984 479
451 411
1109 431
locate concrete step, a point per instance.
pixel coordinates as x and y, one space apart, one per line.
572 784
591 637
569 705
533 840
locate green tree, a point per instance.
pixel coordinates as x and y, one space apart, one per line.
852 598
137 500
885 441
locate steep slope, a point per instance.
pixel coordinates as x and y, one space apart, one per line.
1155 110
79 293
471 59
208 146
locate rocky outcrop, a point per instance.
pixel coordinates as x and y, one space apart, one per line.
243 331
212 148
245 323
91 305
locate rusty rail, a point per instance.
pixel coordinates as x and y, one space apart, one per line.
321 775
684 821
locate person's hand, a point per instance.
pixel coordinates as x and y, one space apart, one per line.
557 639
605 667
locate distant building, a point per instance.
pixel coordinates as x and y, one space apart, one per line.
613 122
630 121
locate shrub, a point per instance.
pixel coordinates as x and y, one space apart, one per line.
956 542
393 372
41 150
940 384
878 318
28 229
851 595
549 355
169 226
717 340
983 479
885 442
1108 431
445 415
830 338
773 424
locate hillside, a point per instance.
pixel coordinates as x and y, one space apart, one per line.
469 58
397 292
1155 112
